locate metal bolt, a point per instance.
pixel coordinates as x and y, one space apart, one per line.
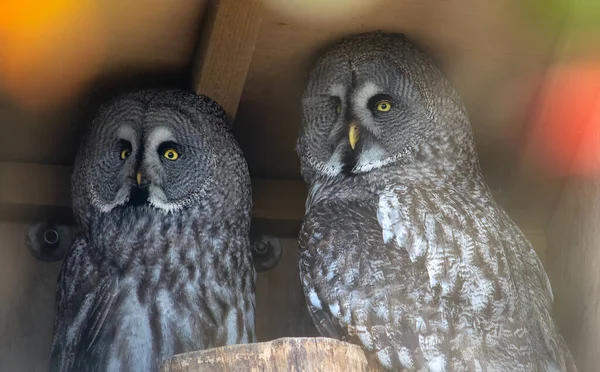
261 247
51 237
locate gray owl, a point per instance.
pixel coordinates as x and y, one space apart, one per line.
162 266
403 249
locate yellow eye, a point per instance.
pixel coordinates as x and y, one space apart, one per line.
171 154
384 106
338 108
125 154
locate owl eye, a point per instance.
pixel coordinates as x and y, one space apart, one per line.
383 106
171 154
125 147
338 108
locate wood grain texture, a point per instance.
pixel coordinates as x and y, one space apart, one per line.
286 354
225 50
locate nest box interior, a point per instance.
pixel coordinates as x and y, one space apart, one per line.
254 58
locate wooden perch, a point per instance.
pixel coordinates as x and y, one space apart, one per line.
281 355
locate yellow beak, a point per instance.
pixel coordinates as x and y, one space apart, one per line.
353 135
138 178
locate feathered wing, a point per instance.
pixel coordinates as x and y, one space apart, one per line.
350 283
84 302
481 266
430 280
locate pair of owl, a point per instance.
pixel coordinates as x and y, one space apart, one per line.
403 249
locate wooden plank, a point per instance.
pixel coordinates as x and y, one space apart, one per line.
35 184
225 50
27 290
279 200
573 254
281 309
30 191
573 259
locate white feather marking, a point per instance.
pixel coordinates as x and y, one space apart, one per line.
158 199
330 275
334 308
437 364
127 133
374 154
334 165
405 357
231 327
365 337
385 358
363 94
420 325
156 137
388 215
338 90
314 300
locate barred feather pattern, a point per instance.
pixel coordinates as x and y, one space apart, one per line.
432 279
409 255
151 293
143 282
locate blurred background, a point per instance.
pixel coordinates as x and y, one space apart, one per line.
528 72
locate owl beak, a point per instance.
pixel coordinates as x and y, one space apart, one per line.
353 135
138 178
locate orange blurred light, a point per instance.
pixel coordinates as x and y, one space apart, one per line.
567 121
48 49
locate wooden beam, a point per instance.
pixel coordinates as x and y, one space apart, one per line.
30 192
230 31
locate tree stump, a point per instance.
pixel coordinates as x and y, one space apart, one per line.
281 355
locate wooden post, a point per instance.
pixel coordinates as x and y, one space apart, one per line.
281 355
225 51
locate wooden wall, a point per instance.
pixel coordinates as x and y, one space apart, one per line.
27 288
573 264
27 301
492 51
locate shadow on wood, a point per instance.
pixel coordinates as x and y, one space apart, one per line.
284 354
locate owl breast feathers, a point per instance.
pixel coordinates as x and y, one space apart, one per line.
162 266
402 249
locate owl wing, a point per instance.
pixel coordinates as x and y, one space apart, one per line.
474 254
354 285
429 279
323 321
83 304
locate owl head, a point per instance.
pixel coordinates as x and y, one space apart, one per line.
162 151
371 100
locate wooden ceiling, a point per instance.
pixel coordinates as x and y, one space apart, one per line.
491 51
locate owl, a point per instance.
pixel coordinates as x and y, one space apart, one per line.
162 264
403 250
